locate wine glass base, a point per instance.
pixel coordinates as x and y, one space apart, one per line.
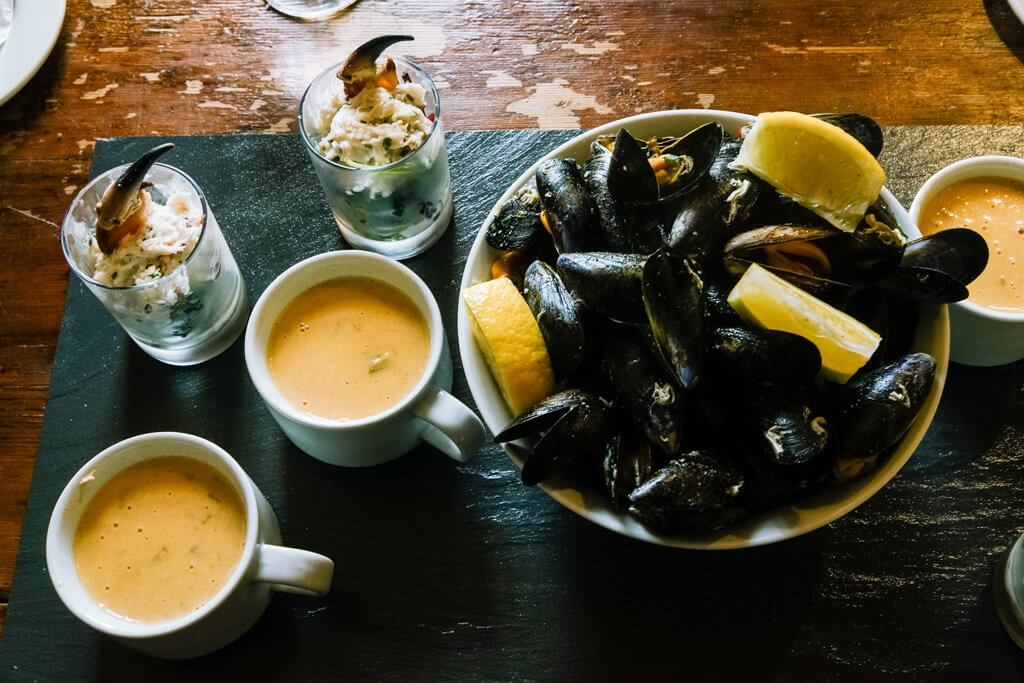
309 9
212 347
403 248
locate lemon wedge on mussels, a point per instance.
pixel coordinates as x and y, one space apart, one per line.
763 299
817 164
510 339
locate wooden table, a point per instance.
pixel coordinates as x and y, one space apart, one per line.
124 67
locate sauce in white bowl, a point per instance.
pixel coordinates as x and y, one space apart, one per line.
987 328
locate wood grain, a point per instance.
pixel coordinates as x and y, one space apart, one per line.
174 66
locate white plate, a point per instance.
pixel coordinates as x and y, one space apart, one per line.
34 32
815 511
1018 8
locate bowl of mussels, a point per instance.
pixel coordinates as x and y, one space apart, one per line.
743 345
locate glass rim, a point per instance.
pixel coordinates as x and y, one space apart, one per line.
314 149
145 285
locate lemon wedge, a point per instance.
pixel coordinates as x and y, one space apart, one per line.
510 339
815 163
763 299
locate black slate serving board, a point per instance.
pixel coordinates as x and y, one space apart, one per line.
458 571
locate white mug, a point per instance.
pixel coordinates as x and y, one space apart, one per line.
428 412
264 565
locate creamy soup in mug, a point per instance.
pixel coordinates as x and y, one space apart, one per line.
348 348
160 539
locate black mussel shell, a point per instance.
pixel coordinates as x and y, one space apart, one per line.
936 269
695 491
864 129
763 355
645 389
769 486
612 215
517 226
631 178
558 315
871 307
540 416
624 227
672 289
566 201
627 464
725 198
791 426
576 437
718 312
607 283
875 410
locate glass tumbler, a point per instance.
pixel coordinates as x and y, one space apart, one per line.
398 210
190 314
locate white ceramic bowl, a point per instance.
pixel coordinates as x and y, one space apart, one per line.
981 336
814 511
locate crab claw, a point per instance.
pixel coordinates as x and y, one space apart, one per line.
361 66
119 211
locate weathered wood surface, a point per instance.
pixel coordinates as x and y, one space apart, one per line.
124 67
449 571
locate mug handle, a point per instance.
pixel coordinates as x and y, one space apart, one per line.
452 428
291 570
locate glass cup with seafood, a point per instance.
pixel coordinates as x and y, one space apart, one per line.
379 152
144 241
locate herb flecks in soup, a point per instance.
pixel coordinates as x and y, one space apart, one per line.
348 348
160 539
994 208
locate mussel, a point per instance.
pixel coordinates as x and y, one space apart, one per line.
517 226
672 295
718 312
724 198
790 426
793 253
623 227
120 211
558 316
671 168
568 207
607 283
757 355
573 426
698 490
936 269
864 129
646 391
876 409
627 464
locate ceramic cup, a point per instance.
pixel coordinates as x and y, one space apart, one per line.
428 412
980 336
264 566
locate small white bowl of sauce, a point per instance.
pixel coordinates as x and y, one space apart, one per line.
985 194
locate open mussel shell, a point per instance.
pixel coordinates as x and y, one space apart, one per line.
672 290
876 409
568 205
645 389
794 253
632 179
607 283
627 464
517 226
937 268
864 129
757 355
698 490
790 424
558 316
